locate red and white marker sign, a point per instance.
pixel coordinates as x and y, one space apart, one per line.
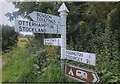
81 74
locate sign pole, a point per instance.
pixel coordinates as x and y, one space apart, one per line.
63 14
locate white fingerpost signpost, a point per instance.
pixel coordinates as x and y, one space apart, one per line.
51 24
63 13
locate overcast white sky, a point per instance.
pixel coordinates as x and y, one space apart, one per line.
6 7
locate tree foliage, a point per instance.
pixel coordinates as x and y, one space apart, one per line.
9 37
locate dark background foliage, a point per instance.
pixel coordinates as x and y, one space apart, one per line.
9 37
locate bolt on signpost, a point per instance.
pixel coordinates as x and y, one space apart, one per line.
63 13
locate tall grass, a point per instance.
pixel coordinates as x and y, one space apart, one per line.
33 62
0 66
17 64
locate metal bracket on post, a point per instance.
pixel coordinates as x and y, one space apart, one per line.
63 14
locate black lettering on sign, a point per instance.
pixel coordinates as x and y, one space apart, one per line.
70 57
20 29
50 21
81 59
57 29
23 28
89 58
33 24
37 14
42 30
78 59
44 15
38 19
54 21
80 54
58 42
35 30
87 61
51 26
27 29
23 23
45 18
30 24
39 30
32 30
48 25
26 23
41 25
20 22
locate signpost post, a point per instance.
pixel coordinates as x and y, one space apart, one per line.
63 13
81 74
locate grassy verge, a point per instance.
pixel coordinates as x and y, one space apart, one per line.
32 64
0 66
17 64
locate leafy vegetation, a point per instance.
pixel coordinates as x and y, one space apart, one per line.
91 27
17 64
9 37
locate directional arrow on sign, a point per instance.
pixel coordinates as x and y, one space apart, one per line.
94 77
81 74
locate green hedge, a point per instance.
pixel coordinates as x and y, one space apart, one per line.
9 37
